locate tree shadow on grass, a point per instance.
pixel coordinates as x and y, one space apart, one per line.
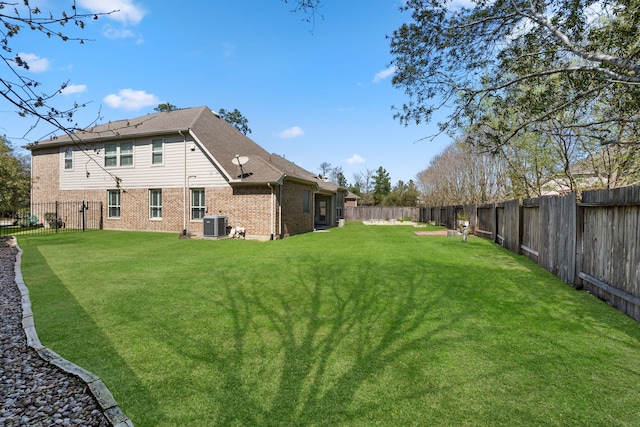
336 340
66 328
332 338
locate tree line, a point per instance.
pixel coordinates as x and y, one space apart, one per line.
373 187
543 96
15 179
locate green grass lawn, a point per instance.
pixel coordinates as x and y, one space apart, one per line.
357 326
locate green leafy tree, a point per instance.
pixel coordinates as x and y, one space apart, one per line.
381 185
15 179
545 58
403 194
236 119
165 107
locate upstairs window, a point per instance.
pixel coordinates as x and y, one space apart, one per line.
126 154
157 147
118 154
111 155
68 158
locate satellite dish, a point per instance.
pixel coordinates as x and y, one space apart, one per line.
239 160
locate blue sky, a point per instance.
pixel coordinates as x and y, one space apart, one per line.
312 92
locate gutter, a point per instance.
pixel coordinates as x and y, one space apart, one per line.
271 211
104 136
184 186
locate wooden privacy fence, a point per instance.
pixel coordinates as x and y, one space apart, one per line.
367 213
590 244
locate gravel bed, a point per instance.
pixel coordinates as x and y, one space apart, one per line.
34 392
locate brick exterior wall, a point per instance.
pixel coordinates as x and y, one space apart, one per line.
294 220
253 207
45 175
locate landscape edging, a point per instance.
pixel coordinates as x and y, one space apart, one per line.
97 388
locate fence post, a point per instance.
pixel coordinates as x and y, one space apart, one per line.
84 214
520 227
56 219
494 221
577 280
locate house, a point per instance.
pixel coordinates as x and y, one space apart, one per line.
585 174
351 199
167 171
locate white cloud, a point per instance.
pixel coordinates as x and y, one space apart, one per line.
71 89
292 132
384 74
127 11
114 33
121 33
35 63
129 99
354 159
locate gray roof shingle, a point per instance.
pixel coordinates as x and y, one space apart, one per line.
223 141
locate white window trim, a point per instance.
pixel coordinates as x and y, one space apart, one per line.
161 140
109 205
192 206
151 206
118 155
64 158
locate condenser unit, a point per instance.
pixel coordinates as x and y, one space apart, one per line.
214 226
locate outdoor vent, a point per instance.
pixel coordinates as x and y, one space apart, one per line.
214 226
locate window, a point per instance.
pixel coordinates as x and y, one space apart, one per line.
123 152
306 201
197 203
155 204
111 155
156 151
126 154
113 203
340 207
68 158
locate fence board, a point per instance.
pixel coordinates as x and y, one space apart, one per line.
610 252
367 213
592 244
531 228
486 220
511 225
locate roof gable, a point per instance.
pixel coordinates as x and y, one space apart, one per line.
215 135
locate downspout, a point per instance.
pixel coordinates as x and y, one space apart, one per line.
280 209
184 186
271 211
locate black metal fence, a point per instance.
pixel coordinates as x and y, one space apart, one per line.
53 217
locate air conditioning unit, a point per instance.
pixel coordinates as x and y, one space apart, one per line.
214 226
